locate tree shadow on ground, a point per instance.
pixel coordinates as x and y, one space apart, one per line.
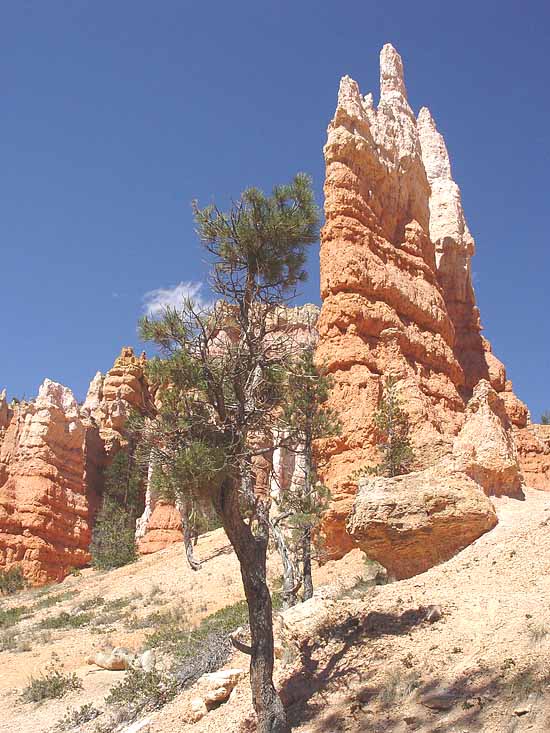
404 699
314 677
225 550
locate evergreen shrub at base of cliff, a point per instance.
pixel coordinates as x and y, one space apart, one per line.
113 538
11 581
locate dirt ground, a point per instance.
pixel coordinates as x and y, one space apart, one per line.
464 647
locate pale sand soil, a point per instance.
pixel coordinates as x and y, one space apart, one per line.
164 581
495 601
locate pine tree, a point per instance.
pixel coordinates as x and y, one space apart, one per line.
306 419
113 536
393 428
220 384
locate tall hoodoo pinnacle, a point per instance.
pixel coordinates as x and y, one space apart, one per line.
396 284
446 213
4 410
391 73
349 97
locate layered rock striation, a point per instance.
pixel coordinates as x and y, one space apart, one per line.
396 285
111 397
53 455
44 510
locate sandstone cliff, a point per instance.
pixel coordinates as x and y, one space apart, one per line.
52 458
396 285
44 512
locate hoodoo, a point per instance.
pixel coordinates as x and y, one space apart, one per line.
396 287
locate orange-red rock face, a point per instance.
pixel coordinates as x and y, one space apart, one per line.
111 397
396 285
44 512
533 446
162 528
52 458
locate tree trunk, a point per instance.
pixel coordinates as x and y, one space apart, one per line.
306 564
251 551
183 509
290 582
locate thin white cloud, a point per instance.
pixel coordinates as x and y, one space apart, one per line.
155 301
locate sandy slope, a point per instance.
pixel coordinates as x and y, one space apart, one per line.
365 661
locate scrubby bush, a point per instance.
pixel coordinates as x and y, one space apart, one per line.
66 620
48 600
78 716
142 690
11 581
10 616
53 683
8 640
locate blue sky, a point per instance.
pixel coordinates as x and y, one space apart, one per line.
117 114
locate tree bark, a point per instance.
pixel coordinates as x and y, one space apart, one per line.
306 564
187 535
251 551
290 582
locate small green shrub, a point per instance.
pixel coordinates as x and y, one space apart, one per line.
118 604
179 638
399 685
66 620
78 716
142 690
173 619
8 641
11 616
53 683
90 603
48 600
11 581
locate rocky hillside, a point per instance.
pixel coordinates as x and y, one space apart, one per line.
461 647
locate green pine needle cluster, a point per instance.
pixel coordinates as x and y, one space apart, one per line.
393 439
113 537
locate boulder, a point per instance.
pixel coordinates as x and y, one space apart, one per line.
119 658
485 448
211 690
411 523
